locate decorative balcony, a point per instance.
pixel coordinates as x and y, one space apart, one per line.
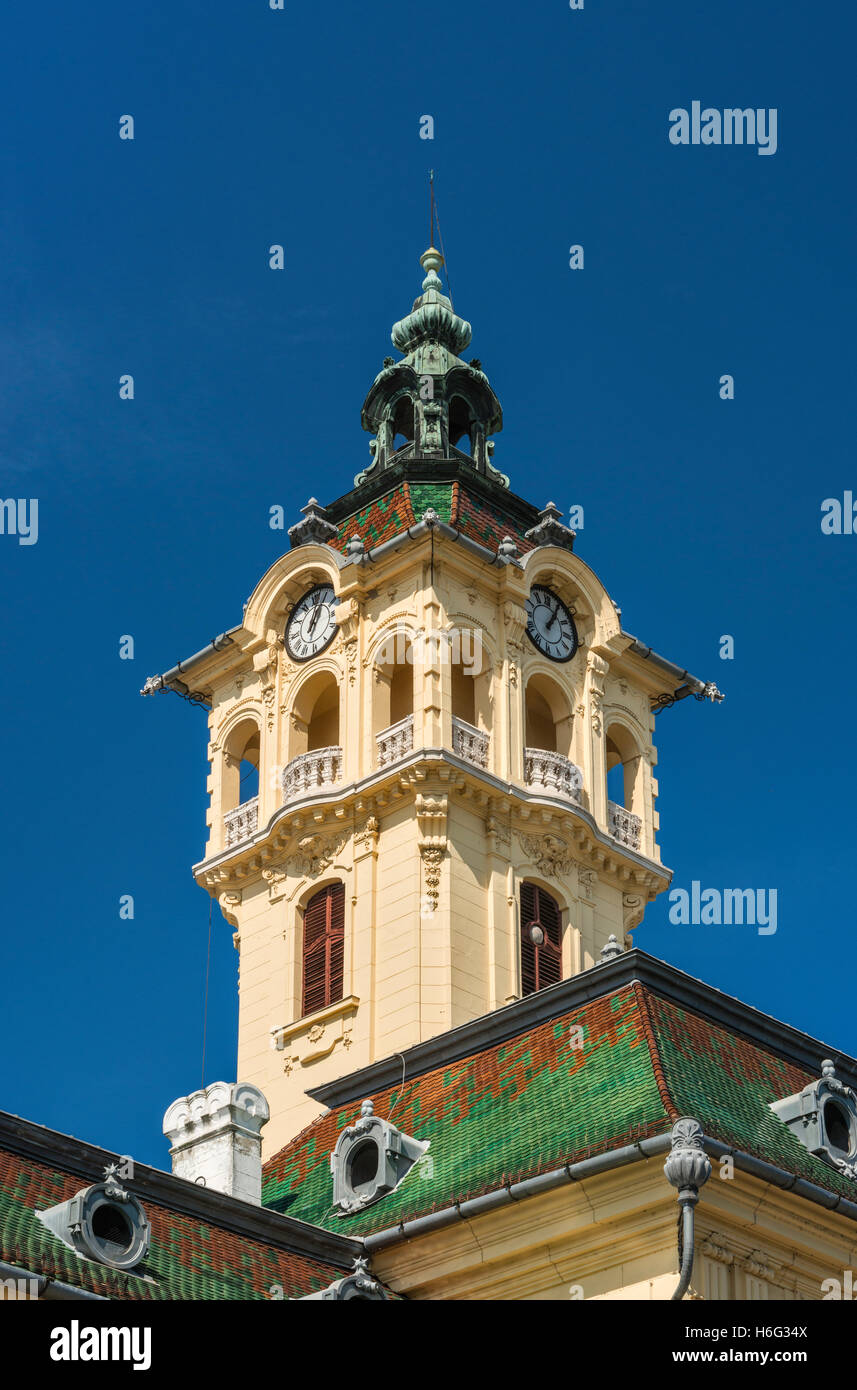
311 771
395 742
552 773
241 823
624 825
469 743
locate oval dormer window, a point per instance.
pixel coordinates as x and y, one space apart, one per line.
836 1123
363 1167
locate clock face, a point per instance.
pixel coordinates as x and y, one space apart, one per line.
550 626
312 623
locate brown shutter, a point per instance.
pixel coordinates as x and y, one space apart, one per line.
540 965
323 948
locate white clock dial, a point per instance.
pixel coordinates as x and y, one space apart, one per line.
550 626
312 623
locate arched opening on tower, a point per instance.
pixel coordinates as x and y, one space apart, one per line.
393 699
241 765
470 694
315 715
323 730
623 768
402 423
460 425
548 716
463 693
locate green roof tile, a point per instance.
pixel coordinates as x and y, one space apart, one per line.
187 1258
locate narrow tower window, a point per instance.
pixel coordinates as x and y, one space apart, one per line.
402 426
324 948
541 939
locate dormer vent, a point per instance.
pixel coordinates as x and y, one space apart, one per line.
823 1116
103 1222
371 1158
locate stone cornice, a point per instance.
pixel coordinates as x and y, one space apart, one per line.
433 764
631 967
88 1161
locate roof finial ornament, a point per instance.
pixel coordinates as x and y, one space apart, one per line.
611 949
432 259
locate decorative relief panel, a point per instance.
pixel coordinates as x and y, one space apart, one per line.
549 853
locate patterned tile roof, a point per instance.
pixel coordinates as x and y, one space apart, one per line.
601 1075
404 505
187 1259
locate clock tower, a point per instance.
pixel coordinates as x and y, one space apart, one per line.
432 783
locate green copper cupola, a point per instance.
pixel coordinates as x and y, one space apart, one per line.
432 404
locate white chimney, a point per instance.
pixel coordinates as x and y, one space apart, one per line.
215 1138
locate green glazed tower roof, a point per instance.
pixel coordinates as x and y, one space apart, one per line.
597 1077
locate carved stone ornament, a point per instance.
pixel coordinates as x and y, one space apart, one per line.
367 838
496 832
597 668
351 659
716 1248
758 1266
229 902
432 813
633 907
314 527
551 530
688 1166
515 619
587 879
315 853
268 693
276 880
549 853
432 857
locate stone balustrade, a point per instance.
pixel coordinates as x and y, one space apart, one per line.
624 826
241 823
395 742
553 773
311 771
469 743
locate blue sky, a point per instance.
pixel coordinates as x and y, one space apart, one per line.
702 516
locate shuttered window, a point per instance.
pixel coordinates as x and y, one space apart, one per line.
324 948
541 939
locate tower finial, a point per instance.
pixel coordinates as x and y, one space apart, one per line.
431 259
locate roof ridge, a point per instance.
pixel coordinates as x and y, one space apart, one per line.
654 1050
406 488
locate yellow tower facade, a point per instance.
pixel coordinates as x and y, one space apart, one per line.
430 693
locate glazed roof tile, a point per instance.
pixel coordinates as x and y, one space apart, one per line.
187 1259
597 1077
